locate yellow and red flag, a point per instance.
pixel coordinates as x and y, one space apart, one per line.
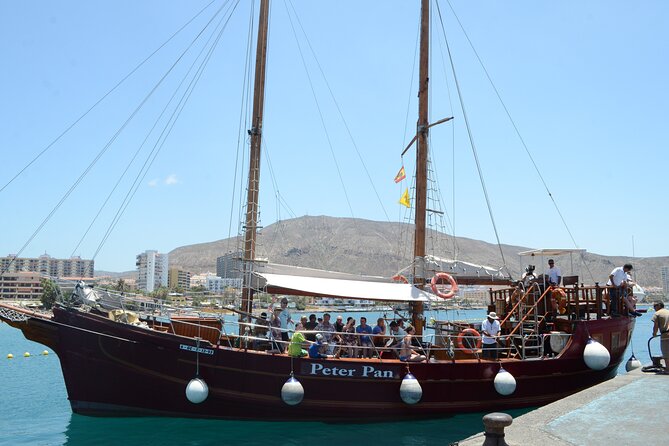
405 200
400 175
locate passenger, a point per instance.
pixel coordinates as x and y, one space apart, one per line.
275 330
260 330
406 351
286 319
339 324
350 340
297 342
617 280
528 276
490 331
318 349
554 274
311 326
401 332
661 324
301 326
327 329
365 341
628 297
379 332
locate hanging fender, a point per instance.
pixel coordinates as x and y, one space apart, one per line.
454 285
468 333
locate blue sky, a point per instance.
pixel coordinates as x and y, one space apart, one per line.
585 83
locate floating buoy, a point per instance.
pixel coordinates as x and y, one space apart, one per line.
505 383
45 353
26 355
197 390
632 364
292 391
596 356
410 389
10 356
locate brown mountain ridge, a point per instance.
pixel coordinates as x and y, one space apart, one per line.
371 247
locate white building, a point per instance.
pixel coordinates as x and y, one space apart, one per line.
152 270
665 279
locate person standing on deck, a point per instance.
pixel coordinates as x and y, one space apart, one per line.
490 329
553 272
661 324
617 279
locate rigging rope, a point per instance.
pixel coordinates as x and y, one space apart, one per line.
76 121
151 157
471 138
320 114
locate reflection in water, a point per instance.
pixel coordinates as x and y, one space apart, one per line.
169 431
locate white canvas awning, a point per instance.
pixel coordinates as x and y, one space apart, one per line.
342 288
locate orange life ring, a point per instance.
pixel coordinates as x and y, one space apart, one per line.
451 280
559 300
468 333
400 278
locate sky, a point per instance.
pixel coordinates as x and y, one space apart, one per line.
585 83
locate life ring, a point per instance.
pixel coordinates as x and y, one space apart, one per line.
559 300
400 278
451 281
468 333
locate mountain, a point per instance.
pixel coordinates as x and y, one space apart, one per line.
371 247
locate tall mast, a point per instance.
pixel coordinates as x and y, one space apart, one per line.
421 163
254 159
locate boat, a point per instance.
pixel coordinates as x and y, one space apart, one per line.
556 339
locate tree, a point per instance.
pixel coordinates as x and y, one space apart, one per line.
50 292
120 285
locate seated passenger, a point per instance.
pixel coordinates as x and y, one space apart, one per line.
311 326
406 351
318 349
379 332
296 343
365 341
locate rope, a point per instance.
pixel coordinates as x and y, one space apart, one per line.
322 119
471 139
508 114
76 121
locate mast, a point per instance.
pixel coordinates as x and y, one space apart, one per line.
421 164
254 158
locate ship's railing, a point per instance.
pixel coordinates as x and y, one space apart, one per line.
581 301
438 346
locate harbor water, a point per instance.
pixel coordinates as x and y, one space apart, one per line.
35 410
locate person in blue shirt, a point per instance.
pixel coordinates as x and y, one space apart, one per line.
316 349
366 346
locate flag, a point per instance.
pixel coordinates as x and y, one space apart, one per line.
400 175
405 200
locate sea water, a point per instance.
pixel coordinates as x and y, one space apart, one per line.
34 409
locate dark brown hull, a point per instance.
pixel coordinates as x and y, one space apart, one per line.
114 369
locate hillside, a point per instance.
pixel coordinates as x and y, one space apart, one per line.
371 247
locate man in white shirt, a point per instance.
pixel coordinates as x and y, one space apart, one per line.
490 331
617 279
553 272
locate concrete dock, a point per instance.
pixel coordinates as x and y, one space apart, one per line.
630 409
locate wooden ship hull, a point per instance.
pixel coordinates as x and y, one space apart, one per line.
114 369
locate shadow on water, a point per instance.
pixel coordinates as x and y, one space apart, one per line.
168 431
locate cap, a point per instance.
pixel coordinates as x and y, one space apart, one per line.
319 336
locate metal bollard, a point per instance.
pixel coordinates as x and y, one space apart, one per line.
494 428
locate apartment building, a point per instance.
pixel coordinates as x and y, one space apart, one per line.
49 266
177 278
152 270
